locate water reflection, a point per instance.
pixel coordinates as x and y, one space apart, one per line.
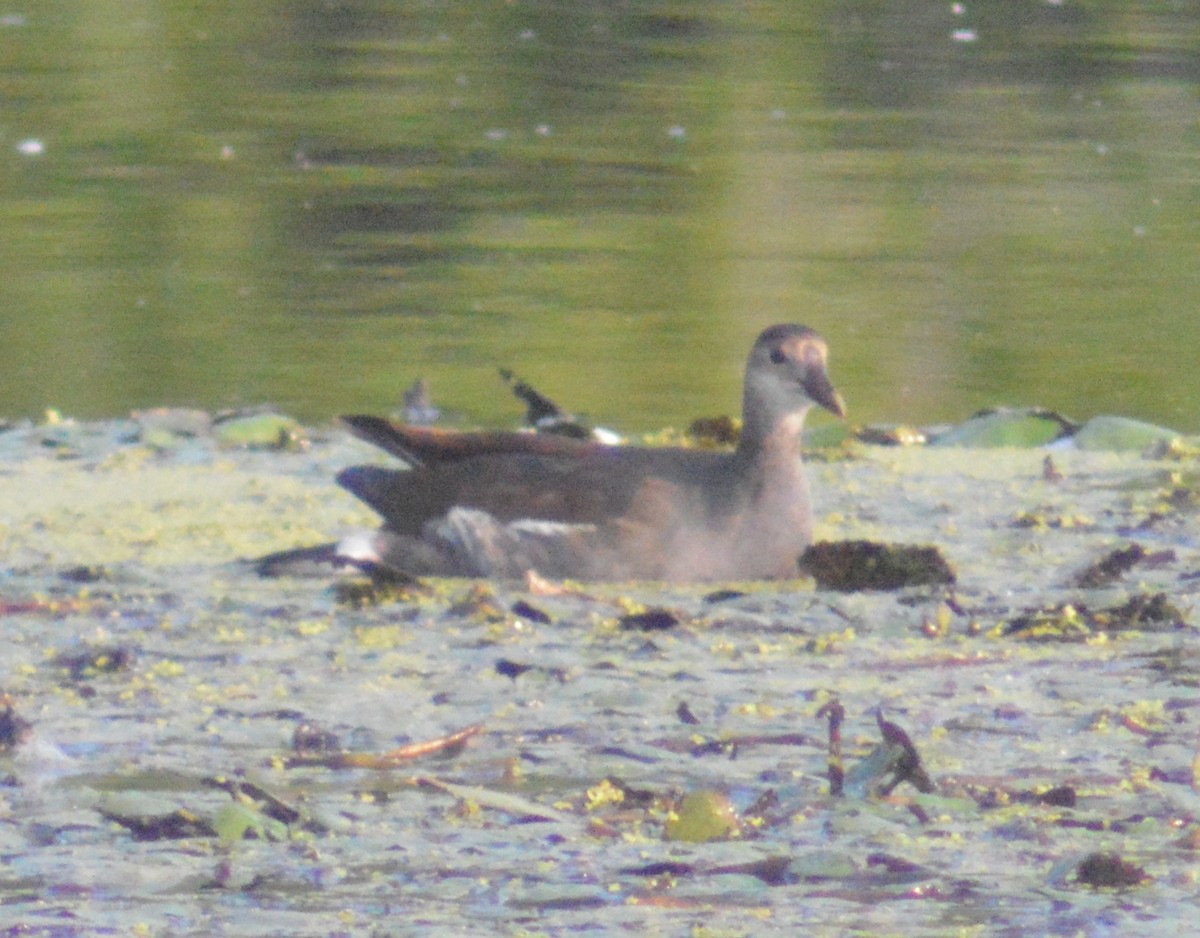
976 203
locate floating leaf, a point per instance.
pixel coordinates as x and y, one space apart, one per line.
520 808
1023 428
240 821
703 816
167 423
150 818
1121 434
260 431
813 867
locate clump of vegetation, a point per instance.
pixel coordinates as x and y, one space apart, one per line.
852 566
1073 622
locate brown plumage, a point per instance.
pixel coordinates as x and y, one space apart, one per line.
499 504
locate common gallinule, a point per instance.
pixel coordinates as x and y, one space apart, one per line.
501 504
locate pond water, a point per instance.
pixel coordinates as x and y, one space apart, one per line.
313 204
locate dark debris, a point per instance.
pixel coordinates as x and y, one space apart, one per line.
851 566
1074 622
15 730
1108 870
652 620
97 661
1112 566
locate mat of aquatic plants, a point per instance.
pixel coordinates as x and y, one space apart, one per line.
189 749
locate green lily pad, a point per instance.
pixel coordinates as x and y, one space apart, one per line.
237 821
702 816
1121 434
1021 428
151 817
173 421
821 866
260 431
159 438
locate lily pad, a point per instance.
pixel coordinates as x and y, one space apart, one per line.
239 821
173 421
260 431
151 818
702 816
1121 434
1021 428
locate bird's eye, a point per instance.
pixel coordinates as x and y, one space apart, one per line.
778 356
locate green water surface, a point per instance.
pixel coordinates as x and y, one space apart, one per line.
315 203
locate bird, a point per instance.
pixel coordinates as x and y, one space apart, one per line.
503 504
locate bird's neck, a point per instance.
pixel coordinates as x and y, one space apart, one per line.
769 431
770 460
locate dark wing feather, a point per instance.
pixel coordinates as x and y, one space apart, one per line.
593 487
421 446
507 487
